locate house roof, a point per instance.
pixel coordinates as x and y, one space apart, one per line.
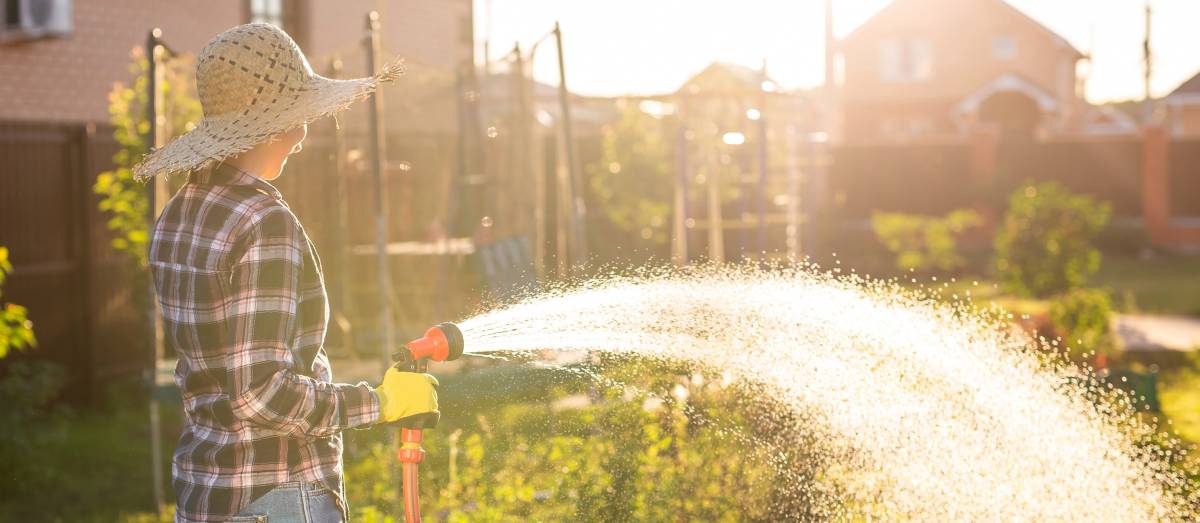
895 4
1189 87
723 77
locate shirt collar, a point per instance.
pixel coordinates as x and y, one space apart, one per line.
226 174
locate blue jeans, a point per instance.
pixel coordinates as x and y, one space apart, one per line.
293 502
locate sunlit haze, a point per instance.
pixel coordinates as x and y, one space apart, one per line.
645 47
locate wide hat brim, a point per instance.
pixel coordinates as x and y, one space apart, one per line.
219 137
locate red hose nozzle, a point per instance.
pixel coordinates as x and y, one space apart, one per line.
442 342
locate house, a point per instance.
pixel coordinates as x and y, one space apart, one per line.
1183 109
59 60
64 72
941 67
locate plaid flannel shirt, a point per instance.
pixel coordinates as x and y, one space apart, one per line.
243 302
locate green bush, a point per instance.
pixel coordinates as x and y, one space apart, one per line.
1044 245
1083 317
123 198
16 331
618 455
29 422
632 180
924 243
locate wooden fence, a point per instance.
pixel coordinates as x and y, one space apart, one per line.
77 288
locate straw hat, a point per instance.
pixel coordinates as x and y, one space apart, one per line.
254 83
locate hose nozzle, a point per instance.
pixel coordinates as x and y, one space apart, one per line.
442 342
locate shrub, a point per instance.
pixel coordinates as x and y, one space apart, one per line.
1083 318
121 197
632 180
16 331
1044 245
618 456
924 243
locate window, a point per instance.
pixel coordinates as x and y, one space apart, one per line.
33 19
267 11
1004 47
905 60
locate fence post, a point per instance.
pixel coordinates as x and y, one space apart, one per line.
1156 190
985 142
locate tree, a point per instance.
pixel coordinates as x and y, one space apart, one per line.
1044 244
924 243
16 331
123 198
1083 317
633 180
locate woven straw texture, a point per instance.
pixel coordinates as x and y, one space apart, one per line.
254 83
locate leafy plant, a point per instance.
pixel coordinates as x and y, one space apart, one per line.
1044 245
1083 317
632 180
924 243
16 331
663 453
123 198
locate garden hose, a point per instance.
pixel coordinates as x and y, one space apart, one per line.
442 342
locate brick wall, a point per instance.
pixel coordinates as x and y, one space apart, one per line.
430 32
68 79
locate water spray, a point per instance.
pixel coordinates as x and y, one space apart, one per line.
442 342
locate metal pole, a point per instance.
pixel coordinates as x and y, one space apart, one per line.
562 207
793 211
537 158
679 233
157 195
377 148
1148 104
716 225
762 163
578 208
829 93
342 226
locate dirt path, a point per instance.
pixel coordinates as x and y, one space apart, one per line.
1158 333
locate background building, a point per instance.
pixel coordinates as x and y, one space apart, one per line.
938 67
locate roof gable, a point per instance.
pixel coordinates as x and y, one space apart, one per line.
1191 86
897 5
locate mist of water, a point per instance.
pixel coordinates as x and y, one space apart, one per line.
910 408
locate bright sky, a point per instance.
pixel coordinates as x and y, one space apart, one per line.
652 46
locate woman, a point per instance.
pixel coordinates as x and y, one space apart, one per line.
243 297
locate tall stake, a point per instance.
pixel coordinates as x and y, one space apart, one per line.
578 210
716 225
376 138
1148 58
763 172
679 232
157 195
342 226
793 202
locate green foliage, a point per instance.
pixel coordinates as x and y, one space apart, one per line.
29 422
924 243
1083 317
665 453
632 180
16 331
122 197
87 466
1044 245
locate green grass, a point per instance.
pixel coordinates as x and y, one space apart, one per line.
1161 285
1179 394
90 467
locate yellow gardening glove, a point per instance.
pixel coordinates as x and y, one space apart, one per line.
404 394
